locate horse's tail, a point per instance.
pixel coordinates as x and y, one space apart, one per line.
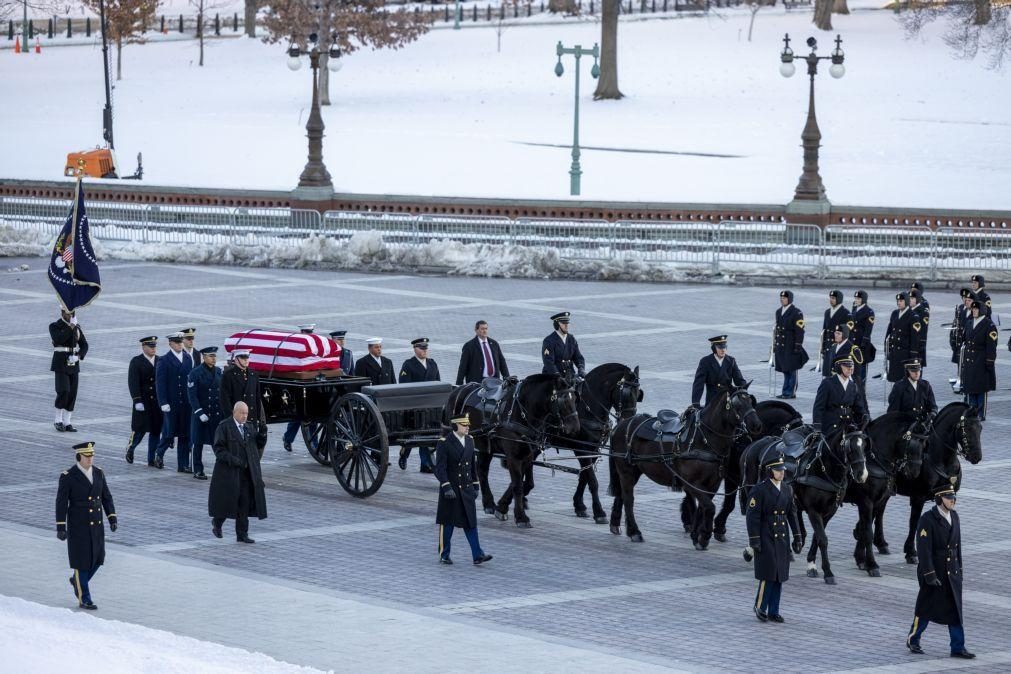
742 494
613 476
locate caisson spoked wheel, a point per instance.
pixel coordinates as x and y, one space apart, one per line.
360 454
319 441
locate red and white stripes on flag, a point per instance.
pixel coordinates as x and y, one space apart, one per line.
277 351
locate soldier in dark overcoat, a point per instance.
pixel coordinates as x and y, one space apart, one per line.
913 394
347 356
237 489
146 417
979 374
918 287
939 572
204 391
842 343
456 470
560 352
80 499
240 383
862 319
840 400
418 368
963 314
375 365
901 338
716 372
771 510
978 284
788 343
921 315
171 376
835 315
69 348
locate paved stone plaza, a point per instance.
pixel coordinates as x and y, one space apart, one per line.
340 583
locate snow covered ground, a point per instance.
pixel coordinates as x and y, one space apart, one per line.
37 638
708 118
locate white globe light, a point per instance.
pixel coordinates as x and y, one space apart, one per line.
334 64
294 63
787 69
837 70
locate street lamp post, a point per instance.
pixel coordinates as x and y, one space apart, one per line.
575 172
810 187
456 16
314 175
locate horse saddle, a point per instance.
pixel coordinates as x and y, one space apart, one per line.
664 427
492 389
797 441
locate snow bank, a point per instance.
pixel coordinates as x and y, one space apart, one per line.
37 638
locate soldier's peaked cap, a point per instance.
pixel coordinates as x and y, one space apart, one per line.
240 353
209 350
718 340
562 316
775 460
944 490
307 328
175 337
338 334
149 341
85 448
463 421
374 341
188 332
420 341
911 364
843 359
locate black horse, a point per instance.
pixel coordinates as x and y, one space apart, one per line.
897 443
692 460
516 427
955 432
609 390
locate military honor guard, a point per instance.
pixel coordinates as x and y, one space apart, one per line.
978 284
241 384
237 490
862 317
963 315
81 498
171 379
836 314
189 348
901 338
146 416
979 374
716 372
69 348
921 315
939 572
913 394
560 350
840 400
204 390
347 357
375 365
295 425
918 287
456 470
841 344
481 358
788 352
418 368
771 517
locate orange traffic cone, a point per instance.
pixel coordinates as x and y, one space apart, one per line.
38 46
17 45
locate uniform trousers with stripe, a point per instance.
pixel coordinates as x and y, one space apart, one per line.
767 598
80 580
446 534
956 634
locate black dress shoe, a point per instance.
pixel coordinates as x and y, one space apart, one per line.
914 648
445 560
129 456
152 464
402 461
482 559
966 655
200 476
776 618
426 469
761 615
287 446
58 426
159 463
216 531
244 539
91 606
67 428
183 470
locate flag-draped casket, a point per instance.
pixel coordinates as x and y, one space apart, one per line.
280 352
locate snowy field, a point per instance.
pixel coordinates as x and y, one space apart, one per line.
708 118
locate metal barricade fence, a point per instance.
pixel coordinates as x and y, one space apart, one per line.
678 242
768 247
579 240
908 250
972 250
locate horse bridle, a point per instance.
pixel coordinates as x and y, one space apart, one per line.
960 447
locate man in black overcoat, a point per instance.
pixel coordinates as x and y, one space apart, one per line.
237 489
480 358
69 349
716 372
203 390
913 394
240 383
901 338
771 509
788 343
862 317
560 352
979 373
921 315
456 471
835 315
978 285
840 401
146 416
939 571
375 365
419 368
80 499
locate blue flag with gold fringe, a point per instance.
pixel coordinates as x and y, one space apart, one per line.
73 267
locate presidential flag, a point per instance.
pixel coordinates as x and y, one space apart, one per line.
73 267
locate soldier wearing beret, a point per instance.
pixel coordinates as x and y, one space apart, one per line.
560 350
456 471
419 368
913 394
69 349
716 373
840 400
80 499
146 417
979 374
771 510
939 572
788 343
901 338
204 391
862 318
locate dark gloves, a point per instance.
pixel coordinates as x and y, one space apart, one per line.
798 545
62 534
757 549
447 492
933 580
798 348
112 525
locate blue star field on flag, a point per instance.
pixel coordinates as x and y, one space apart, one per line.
73 267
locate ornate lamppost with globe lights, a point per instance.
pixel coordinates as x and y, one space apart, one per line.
315 175
575 172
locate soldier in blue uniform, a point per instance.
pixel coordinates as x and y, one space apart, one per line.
295 425
347 357
835 315
788 343
146 417
921 315
189 347
560 350
69 349
204 392
171 372
419 367
839 401
913 394
978 283
771 517
456 471
939 572
979 374
80 499
716 372
901 338
862 317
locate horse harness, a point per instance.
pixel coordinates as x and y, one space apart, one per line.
960 451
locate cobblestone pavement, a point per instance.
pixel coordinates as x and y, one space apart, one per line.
566 579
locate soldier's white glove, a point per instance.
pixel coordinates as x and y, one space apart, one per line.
166 408
204 418
72 359
139 407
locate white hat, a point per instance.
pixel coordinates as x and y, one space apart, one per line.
239 353
372 341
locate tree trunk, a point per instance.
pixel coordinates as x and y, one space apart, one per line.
119 60
250 18
200 35
607 84
983 13
324 79
562 6
823 14
840 7
751 24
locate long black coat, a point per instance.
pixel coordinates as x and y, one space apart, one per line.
557 355
455 466
412 370
939 554
835 407
829 323
67 336
204 390
368 367
140 378
921 315
79 506
957 335
240 384
233 456
863 327
919 401
472 362
846 347
984 299
788 340
714 378
979 373
901 342
770 511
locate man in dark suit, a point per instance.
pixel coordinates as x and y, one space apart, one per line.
69 349
913 394
456 471
481 357
375 365
939 571
716 372
171 372
80 500
788 343
237 489
146 417
416 369
560 350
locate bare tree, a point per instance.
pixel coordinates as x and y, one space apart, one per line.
823 14
506 10
973 27
607 83
840 7
203 7
754 7
125 21
351 25
249 18
563 7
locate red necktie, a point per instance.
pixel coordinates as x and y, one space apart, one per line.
488 360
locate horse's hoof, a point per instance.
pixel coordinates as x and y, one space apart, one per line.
581 513
861 566
701 547
812 573
600 520
489 510
722 538
502 517
688 531
830 580
523 525
883 550
874 573
911 559
635 538
615 530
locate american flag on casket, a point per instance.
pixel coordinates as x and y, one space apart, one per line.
279 352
